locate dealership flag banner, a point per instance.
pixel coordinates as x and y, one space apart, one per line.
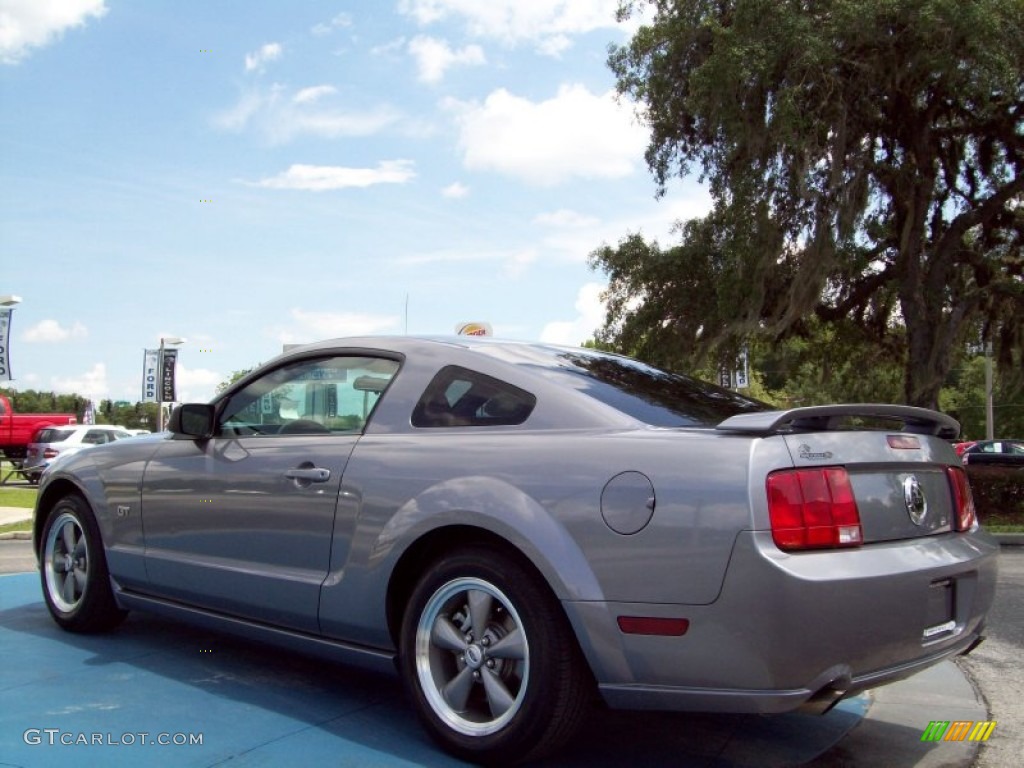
150 370
5 346
170 357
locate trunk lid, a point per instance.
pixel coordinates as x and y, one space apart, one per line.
897 459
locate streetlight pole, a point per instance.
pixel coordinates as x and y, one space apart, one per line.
990 429
164 340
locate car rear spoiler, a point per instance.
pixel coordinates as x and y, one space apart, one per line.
822 418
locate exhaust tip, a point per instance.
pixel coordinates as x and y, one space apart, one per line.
825 698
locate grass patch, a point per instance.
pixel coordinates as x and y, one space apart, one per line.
1003 528
24 525
18 497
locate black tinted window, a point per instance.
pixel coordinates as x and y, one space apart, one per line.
459 397
646 393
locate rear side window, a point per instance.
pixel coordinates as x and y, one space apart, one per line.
50 435
459 397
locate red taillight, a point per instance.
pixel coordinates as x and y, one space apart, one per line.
813 509
963 501
50 453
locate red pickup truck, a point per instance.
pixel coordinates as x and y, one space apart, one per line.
17 429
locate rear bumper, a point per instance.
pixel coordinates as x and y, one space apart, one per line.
819 696
789 631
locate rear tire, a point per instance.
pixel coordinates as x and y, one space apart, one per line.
76 583
490 661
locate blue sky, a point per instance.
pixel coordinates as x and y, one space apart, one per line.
252 173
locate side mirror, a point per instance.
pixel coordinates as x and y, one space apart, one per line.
193 420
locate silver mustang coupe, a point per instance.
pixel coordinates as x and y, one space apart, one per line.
520 528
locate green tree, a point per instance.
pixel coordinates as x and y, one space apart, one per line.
235 376
864 158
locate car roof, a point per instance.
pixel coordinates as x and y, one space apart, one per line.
71 428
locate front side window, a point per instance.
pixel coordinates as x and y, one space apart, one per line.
459 397
319 396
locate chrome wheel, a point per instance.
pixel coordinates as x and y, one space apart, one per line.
66 563
76 583
472 657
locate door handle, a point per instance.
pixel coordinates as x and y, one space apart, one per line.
313 475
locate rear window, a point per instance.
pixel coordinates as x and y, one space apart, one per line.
51 435
646 393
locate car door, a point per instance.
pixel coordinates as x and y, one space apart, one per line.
241 523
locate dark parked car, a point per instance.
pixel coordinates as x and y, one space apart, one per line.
1009 452
520 527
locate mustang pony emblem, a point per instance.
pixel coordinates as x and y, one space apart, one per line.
913 496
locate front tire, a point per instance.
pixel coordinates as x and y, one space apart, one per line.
490 661
76 583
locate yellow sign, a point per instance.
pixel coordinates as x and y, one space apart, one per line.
474 329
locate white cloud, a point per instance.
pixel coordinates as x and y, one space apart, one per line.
516 265
318 178
452 257
389 48
575 134
27 24
308 327
547 24
50 331
591 315
309 95
279 115
455 190
575 235
509 263
564 218
196 384
434 57
340 21
92 384
257 60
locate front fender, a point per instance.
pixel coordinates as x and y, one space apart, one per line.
76 475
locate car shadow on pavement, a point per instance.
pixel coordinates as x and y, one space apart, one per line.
255 704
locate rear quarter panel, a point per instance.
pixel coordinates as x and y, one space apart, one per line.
542 492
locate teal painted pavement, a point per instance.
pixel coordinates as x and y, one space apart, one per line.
145 691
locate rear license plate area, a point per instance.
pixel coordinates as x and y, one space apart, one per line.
939 617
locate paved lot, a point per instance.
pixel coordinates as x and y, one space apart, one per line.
256 706
997 666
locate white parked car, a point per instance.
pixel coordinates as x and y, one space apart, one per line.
51 442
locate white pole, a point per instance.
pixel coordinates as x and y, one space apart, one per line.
160 388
